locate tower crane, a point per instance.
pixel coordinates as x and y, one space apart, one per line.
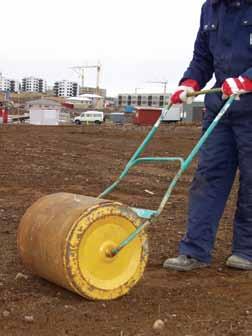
80 71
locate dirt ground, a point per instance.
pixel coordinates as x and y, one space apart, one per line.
37 161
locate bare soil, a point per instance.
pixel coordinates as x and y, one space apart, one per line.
37 161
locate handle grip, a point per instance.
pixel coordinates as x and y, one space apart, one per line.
203 92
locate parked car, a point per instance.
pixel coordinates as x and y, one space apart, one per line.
117 117
96 117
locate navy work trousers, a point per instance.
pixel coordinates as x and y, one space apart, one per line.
229 147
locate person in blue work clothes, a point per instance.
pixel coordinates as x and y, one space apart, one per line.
223 47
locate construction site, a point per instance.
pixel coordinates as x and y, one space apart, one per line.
41 160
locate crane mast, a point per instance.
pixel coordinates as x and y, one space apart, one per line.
80 71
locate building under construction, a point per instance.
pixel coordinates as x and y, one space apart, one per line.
92 90
80 70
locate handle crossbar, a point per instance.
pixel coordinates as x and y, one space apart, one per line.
156 159
203 92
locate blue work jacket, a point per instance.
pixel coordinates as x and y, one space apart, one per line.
224 47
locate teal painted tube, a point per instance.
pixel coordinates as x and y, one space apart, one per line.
129 239
173 183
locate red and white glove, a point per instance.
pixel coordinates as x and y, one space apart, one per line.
237 86
180 95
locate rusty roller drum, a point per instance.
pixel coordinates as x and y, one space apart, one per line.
66 239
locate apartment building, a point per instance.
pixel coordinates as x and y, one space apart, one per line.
66 88
8 85
14 85
4 84
33 84
143 99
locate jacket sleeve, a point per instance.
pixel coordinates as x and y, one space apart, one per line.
248 73
201 67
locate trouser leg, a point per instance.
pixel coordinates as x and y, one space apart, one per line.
210 189
242 239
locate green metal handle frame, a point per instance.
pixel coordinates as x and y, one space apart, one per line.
184 165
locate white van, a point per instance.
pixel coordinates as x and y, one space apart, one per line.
96 117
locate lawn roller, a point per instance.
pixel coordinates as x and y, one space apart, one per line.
93 246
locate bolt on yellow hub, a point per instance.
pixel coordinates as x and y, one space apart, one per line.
68 240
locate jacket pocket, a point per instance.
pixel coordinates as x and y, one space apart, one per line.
210 28
246 24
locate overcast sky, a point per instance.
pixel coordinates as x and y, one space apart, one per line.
135 41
